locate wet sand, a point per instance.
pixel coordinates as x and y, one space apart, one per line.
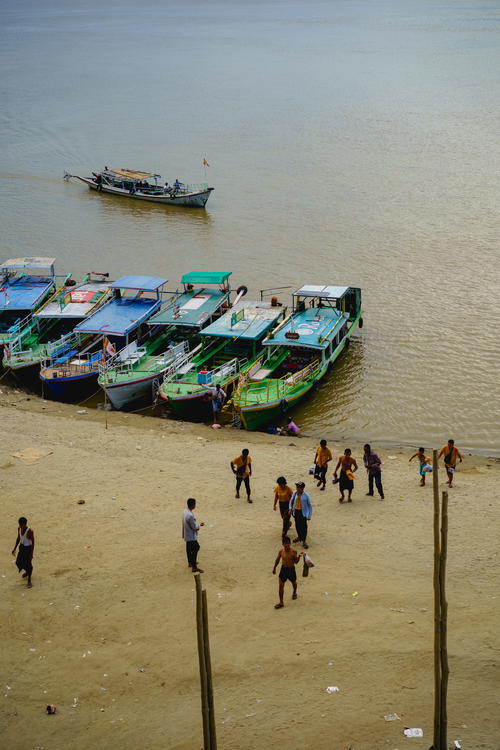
112 593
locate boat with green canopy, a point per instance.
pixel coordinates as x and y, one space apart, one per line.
230 347
299 353
172 333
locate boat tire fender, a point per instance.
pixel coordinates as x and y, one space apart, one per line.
360 324
242 290
284 405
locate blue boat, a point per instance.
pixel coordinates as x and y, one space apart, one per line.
72 375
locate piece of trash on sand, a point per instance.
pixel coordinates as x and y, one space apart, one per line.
392 717
332 689
32 649
393 458
329 663
249 715
80 502
142 669
51 709
82 411
457 744
415 732
31 455
356 593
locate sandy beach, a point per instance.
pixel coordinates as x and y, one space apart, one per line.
107 633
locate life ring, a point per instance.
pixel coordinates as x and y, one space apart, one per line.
242 290
360 323
284 405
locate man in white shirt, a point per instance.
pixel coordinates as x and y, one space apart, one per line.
190 535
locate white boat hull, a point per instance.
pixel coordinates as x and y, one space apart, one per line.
122 394
197 200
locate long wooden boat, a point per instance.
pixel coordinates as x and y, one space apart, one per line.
173 331
230 347
144 186
51 325
299 353
116 326
23 289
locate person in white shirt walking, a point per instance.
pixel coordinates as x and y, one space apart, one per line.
190 535
26 541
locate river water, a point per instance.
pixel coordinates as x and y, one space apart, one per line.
349 142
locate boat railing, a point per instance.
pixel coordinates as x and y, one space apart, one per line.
77 363
275 388
57 347
192 187
111 370
15 357
227 370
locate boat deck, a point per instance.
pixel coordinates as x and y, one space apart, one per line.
76 302
311 328
191 309
119 316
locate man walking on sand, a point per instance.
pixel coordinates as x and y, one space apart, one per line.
190 535
373 466
347 466
26 541
241 466
450 459
301 508
321 458
289 558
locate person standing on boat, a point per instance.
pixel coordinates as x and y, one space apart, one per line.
26 541
301 509
190 535
373 466
282 495
450 454
322 457
218 398
241 466
348 466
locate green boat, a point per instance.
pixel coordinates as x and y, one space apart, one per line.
299 353
172 333
230 348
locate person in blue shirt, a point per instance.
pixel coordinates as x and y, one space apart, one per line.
301 509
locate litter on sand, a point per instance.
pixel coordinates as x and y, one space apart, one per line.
332 689
82 411
415 732
392 717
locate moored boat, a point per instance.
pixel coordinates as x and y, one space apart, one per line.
116 326
299 353
230 347
51 325
144 186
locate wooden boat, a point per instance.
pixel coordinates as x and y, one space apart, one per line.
172 333
299 353
50 326
115 326
144 186
23 289
230 347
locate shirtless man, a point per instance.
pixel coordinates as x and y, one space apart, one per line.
26 541
289 558
347 464
450 459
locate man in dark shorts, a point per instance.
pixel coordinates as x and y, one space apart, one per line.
26 541
289 558
241 466
347 466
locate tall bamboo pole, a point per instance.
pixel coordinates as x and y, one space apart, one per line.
437 608
208 663
203 665
444 624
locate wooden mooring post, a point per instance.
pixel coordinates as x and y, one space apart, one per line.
207 699
441 669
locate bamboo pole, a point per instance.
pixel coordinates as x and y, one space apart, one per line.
444 624
208 663
437 608
203 665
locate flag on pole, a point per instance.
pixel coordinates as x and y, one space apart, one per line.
205 163
108 346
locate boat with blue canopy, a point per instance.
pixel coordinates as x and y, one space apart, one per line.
23 289
114 326
52 325
230 347
299 353
145 186
172 333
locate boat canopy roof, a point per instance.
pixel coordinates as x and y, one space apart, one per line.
206 277
313 328
191 308
130 174
75 302
32 262
24 292
321 292
142 283
119 317
245 320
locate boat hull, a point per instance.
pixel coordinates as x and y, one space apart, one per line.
193 200
273 413
28 376
122 394
71 389
195 408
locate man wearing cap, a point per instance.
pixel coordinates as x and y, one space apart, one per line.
301 509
